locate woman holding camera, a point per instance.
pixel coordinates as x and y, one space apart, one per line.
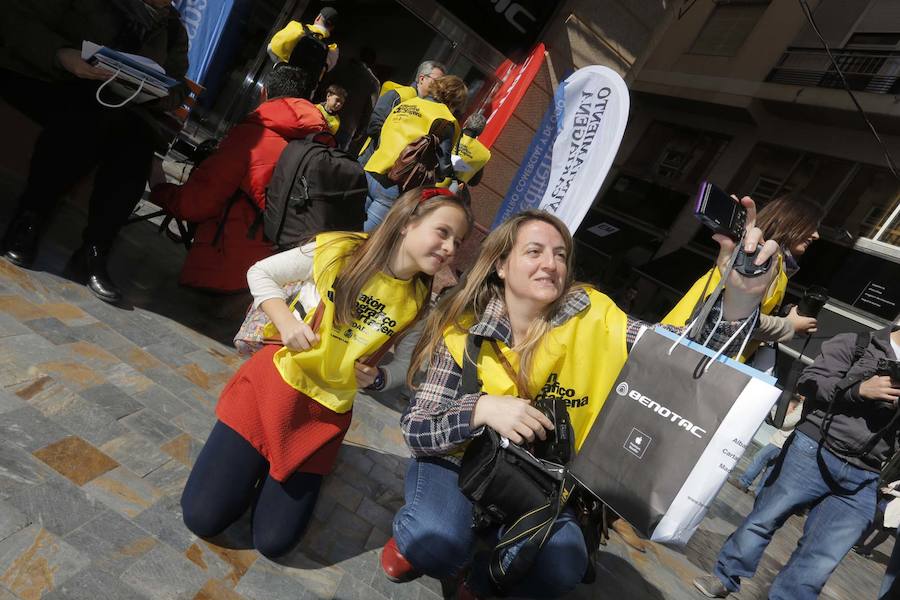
521 298
793 222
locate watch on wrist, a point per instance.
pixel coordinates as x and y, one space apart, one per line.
378 384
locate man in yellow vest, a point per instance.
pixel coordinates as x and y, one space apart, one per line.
392 94
335 96
282 45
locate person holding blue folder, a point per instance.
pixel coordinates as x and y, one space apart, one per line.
43 75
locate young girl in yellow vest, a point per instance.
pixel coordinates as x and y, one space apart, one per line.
542 333
792 221
282 416
406 123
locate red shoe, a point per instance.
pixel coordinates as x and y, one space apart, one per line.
395 566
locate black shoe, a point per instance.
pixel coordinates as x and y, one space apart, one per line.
21 240
98 280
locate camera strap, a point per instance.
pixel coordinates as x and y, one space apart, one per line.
509 370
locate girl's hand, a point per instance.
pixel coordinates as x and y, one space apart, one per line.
511 417
743 294
365 374
298 335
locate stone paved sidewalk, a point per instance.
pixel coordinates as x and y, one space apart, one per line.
103 410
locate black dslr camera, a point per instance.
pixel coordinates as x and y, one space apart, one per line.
889 367
559 447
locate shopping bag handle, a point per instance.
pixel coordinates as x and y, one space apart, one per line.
123 102
750 320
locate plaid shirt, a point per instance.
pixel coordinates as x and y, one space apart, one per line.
438 420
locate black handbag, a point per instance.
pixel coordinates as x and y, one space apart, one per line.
509 486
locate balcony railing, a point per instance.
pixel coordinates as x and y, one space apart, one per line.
877 72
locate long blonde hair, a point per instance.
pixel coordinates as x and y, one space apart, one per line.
481 284
373 253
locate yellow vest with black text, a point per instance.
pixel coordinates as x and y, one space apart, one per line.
409 121
326 372
333 121
474 154
404 92
577 362
680 314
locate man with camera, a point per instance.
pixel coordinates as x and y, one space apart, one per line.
831 464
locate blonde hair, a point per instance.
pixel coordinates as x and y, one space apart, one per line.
481 284
451 91
372 253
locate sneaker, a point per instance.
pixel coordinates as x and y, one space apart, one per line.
711 586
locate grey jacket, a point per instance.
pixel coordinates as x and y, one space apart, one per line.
856 419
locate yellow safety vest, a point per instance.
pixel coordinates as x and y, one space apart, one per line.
474 154
577 362
285 40
334 121
326 373
405 92
679 315
409 121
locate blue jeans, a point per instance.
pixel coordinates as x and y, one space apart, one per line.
761 460
843 499
379 201
889 588
433 531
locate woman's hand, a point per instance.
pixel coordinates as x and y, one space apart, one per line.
365 374
802 325
511 417
70 60
743 294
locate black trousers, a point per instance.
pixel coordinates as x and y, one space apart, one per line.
79 135
230 476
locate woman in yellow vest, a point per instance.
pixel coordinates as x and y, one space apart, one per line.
793 222
282 416
470 155
407 122
543 335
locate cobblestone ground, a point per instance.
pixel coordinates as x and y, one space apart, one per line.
103 410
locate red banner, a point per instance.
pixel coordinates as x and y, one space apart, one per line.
514 81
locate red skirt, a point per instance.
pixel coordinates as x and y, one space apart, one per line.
291 430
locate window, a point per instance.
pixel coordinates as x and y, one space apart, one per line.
728 27
868 206
679 155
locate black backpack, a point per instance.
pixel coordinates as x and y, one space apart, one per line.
314 187
310 53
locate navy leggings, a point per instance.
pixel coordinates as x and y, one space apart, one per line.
229 476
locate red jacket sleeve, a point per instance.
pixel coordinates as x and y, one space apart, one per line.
210 185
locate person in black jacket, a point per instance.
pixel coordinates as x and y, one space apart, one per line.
43 75
831 464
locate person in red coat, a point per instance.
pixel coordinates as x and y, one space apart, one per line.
242 165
